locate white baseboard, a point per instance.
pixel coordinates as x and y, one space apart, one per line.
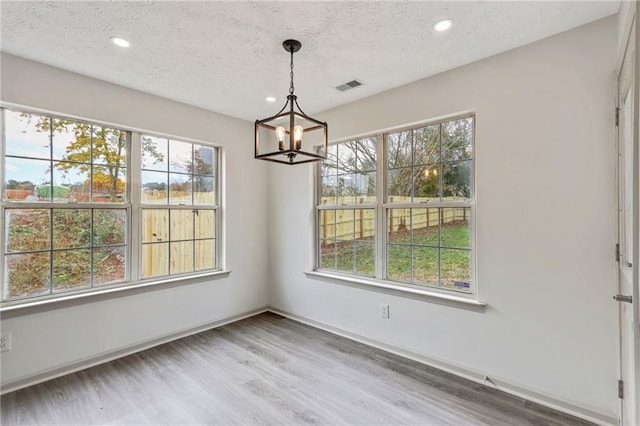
476 376
92 361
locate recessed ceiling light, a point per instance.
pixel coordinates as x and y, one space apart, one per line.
118 41
443 25
270 99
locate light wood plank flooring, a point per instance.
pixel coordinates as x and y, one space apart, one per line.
268 370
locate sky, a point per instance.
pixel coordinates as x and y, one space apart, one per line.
22 139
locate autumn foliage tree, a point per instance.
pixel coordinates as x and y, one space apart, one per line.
97 145
96 150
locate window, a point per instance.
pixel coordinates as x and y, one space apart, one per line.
399 206
178 207
347 216
71 222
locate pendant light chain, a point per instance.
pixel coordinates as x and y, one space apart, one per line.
291 74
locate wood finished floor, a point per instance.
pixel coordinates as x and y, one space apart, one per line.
268 370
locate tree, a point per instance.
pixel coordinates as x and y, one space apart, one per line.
202 168
103 148
149 148
417 160
350 169
456 154
13 184
411 153
97 145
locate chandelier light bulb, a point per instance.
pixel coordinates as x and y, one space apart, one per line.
280 134
298 131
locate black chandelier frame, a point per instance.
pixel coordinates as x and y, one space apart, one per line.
292 110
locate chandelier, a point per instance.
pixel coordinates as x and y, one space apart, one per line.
280 137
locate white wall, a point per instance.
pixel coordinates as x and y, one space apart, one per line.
626 14
47 339
545 223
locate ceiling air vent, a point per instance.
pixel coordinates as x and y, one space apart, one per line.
349 85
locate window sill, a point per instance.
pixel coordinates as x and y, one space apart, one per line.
29 306
398 289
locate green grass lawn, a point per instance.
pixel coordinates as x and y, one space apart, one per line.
433 259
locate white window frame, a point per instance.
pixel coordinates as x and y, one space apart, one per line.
133 206
382 206
139 206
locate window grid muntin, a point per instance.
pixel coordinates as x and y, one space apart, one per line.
191 176
169 241
52 205
382 205
52 159
167 205
338 171
51 250
354 243
413 243
131 203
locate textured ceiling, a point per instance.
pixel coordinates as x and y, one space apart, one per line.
227 56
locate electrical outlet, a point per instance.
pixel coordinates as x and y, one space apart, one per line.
5 342
384 311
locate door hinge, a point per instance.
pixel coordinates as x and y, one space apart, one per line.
620 389
618 252
622 298
617 116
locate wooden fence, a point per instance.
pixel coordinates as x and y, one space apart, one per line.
163 253
178 197
359 223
